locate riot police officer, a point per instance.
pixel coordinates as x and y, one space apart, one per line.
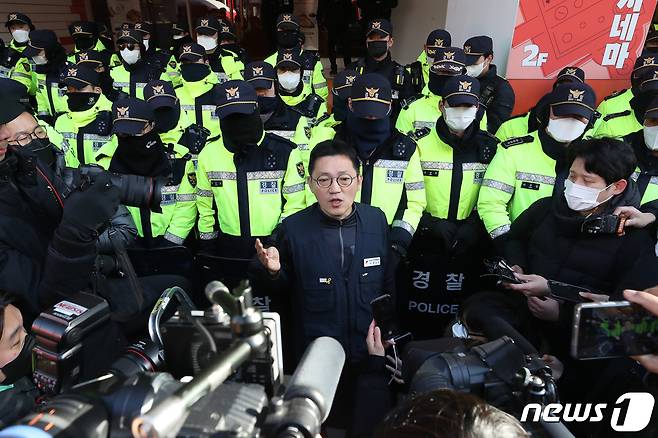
87 126
379 41
496 94
390 164
98 62
454 156
420 69
520 125
225 64
288 37
229 42
19 26
529 168
170 121
252 177
181 35
156 57
85 34
135 71
139 151
196 92
422 110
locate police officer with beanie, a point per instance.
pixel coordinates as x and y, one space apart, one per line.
379 41
496 94
87 126
135 71
253 178
141 152
289 37
520 125
198 84
225 64
532 167
49 58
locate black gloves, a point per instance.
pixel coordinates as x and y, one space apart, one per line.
87 210
441 231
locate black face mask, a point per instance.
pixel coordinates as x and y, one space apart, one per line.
107 42
241 132
194 72
267 104
233 47
43 149
368 134
22 365
106 83
82 101
340 109
287 39
377 49
141 155
85 43
166 119
436 83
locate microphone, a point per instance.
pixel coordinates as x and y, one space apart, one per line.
317 375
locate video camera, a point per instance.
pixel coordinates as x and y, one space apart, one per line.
134 190
132 398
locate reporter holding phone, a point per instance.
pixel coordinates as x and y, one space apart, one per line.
552 240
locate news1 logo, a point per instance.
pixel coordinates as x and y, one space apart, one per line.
631 412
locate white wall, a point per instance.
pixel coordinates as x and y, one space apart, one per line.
413 20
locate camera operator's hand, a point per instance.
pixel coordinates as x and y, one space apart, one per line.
86 211
557 367
649 301
269 257
532 286
374 340
634 217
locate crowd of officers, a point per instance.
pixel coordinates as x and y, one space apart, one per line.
440 154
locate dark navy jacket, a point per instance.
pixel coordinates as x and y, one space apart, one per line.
330 299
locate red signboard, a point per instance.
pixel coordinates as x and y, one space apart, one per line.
603 37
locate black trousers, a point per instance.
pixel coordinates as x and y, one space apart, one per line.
338 37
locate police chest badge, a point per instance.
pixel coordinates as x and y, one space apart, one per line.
269 187
300 169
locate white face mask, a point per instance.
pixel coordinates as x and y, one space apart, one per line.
289 80
146 44
207 42
582 198
651 137
39 60
130 56
460 118
565 130
475 70
20 35
178 37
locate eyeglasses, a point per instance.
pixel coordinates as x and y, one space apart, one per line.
325 181
24 138
129 46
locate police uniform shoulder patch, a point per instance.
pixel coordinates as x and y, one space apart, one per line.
300 169
419 133
515 141
191 177
280 139
409 100
172 64
404 146
616 115
615 94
